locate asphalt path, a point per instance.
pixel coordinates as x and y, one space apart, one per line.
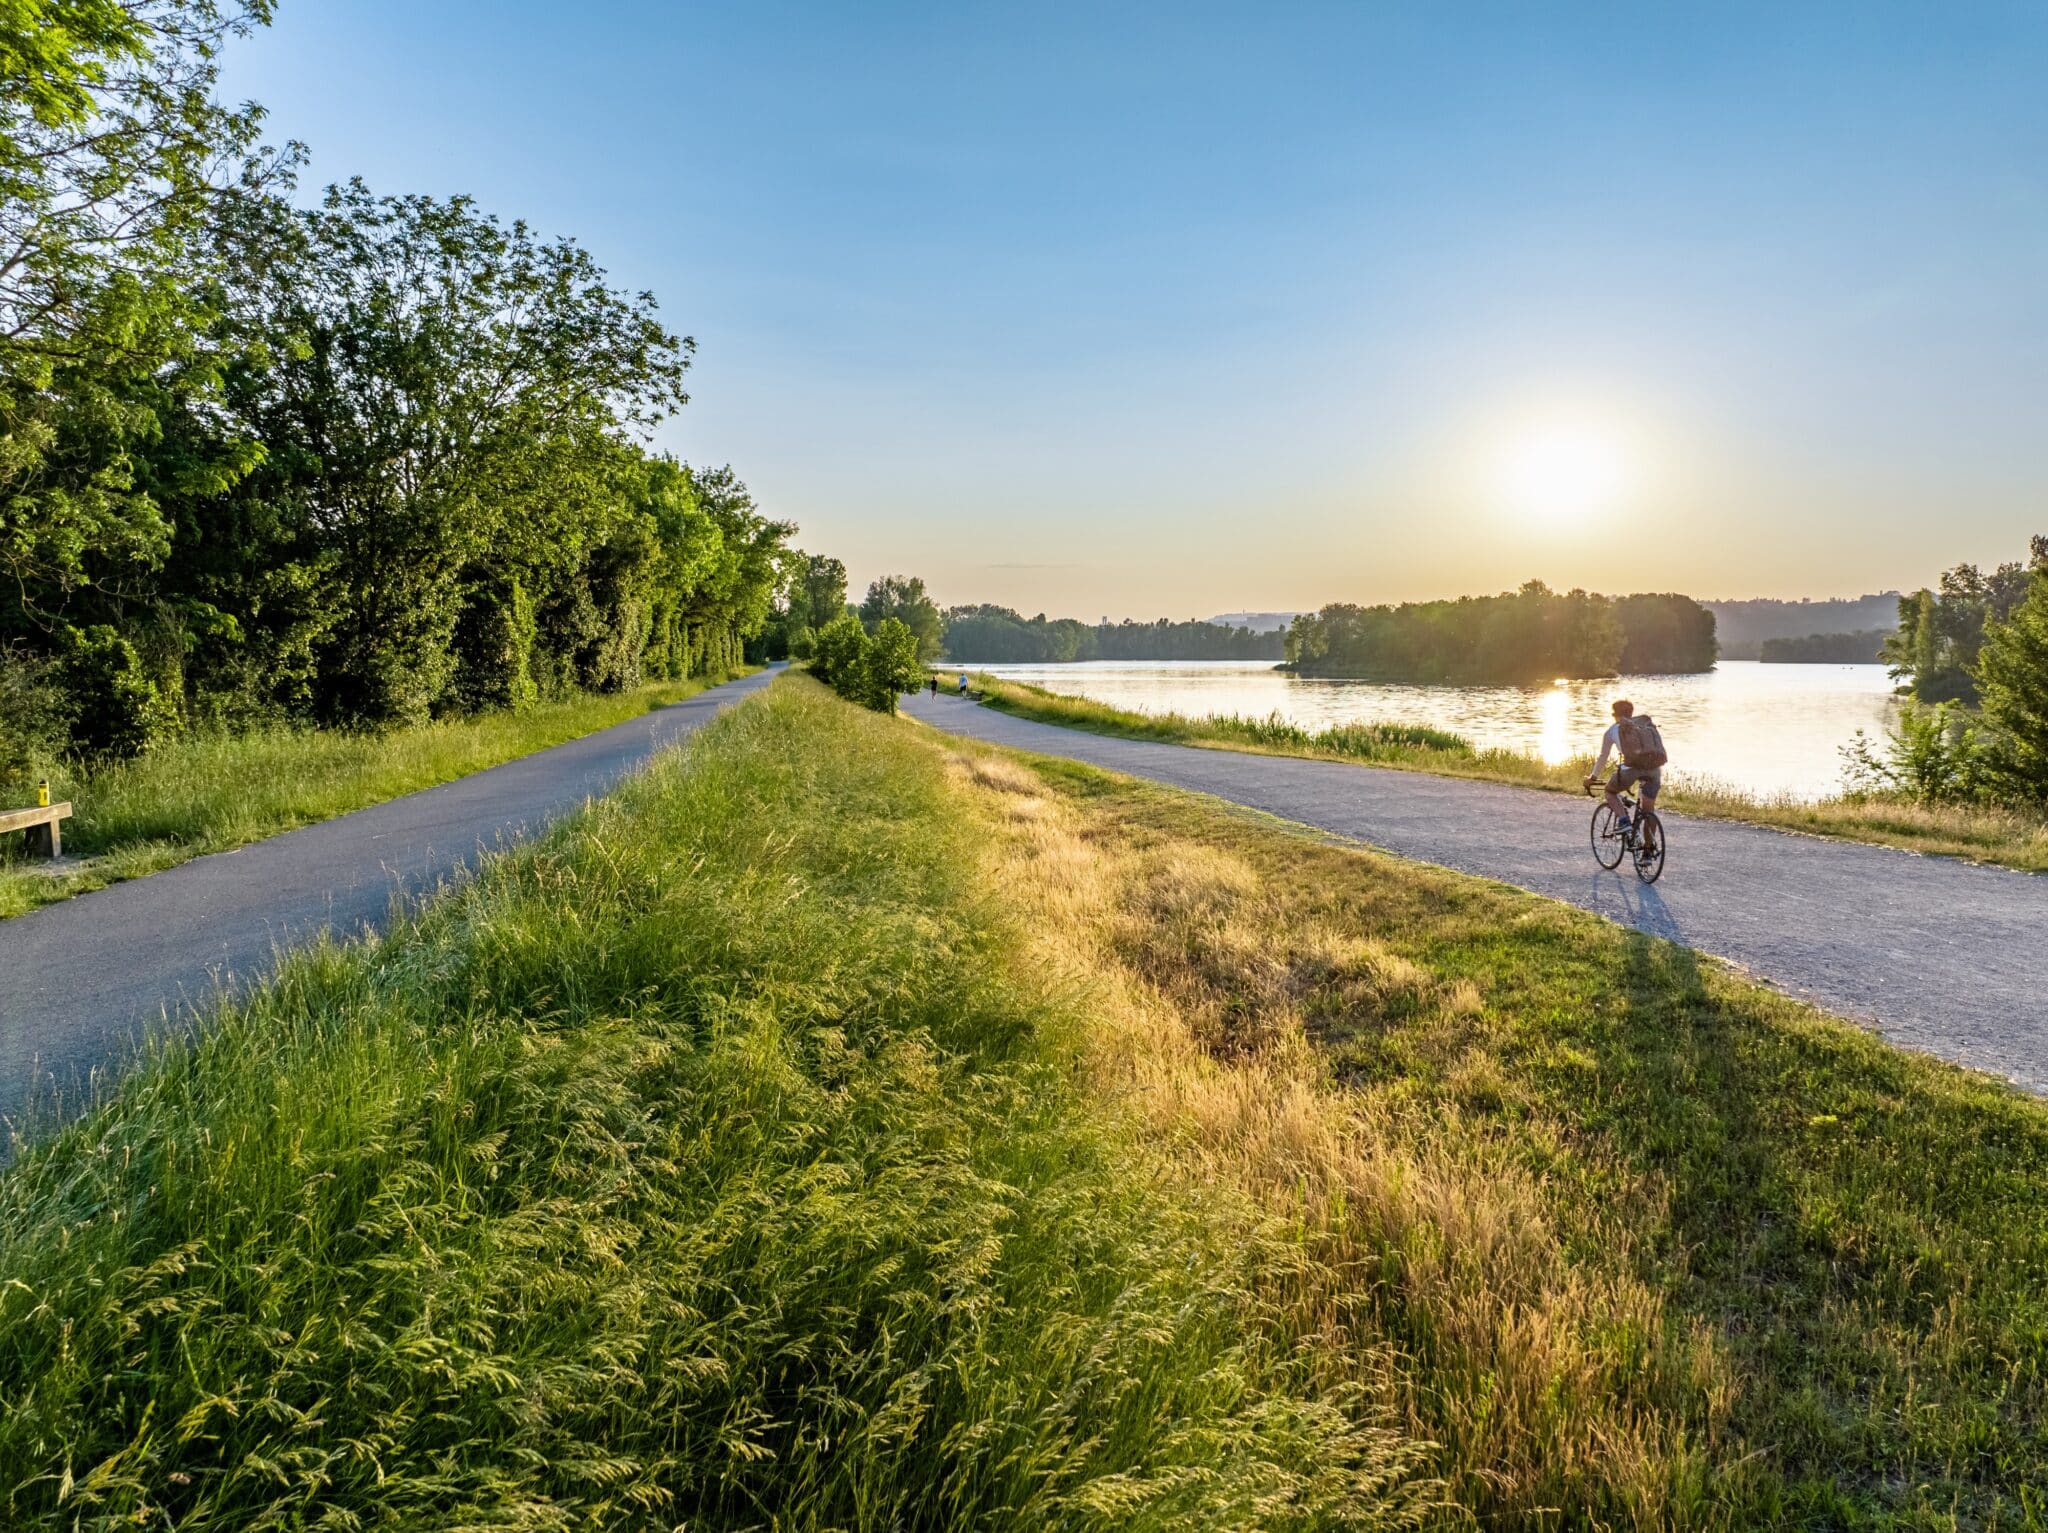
81 979
1935 954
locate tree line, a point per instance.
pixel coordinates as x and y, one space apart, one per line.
999 635
356 463
1860 648
1971 657
1519 637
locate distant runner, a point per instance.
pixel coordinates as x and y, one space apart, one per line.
1642 761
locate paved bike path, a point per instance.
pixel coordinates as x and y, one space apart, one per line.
1936 954
78 979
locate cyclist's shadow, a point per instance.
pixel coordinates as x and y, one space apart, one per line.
1627 900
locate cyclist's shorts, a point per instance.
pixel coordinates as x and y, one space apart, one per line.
1651 779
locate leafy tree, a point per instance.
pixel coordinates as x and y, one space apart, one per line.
1526 636
441 395
1934 650
1664 634
890 667
840 657
903 598
112 152
2012 671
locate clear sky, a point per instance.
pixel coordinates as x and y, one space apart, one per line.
1176 308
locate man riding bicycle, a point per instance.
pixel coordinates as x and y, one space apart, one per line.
1641 749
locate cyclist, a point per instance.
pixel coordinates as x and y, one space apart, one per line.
1642 761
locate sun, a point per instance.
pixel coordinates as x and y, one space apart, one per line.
1564 469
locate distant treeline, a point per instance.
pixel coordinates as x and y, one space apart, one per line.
997 636
1864 648
1531 635
1742 626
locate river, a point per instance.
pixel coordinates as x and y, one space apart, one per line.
1775 730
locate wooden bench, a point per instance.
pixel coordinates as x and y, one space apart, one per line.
45 838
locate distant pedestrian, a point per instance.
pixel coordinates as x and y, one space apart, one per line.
963 683
933 678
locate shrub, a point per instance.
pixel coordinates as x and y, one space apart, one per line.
890 665
837 653
495 640
1932 755
34 717
117 710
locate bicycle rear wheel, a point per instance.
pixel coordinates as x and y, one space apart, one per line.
1607 847
1649 848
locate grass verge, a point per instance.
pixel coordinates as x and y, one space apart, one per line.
841 1127
1979 834
1635 1242
719 1162
214 792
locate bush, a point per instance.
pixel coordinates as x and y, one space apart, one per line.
495 640
34 718
890 666
838 653
116 710
1932 755
872 670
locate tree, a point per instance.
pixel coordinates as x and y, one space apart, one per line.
903 598
1940 634
891 666
442 399
840 654
2012 673
112 152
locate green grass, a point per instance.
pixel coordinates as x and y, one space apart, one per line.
214 792
716 1163
2009 838
844 1128
1642 1243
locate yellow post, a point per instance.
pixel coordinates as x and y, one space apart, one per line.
43 794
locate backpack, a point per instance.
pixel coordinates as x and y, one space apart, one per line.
1641 746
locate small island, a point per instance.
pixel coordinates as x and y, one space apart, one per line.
1528 636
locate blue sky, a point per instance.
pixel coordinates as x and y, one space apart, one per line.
1170 309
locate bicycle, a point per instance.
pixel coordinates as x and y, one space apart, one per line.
1642 840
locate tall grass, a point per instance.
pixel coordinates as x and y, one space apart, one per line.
719 1162
211 792
2009 837
1652 1246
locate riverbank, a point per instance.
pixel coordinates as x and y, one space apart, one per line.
861 1124
2004 837
207 793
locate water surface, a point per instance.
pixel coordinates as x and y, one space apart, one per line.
1770 729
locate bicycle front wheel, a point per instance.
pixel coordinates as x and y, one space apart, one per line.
1607 847
1650 849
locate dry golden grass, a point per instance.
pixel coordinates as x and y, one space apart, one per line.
1356 1044
1547 1381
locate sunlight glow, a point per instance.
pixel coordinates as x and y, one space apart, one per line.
1564 469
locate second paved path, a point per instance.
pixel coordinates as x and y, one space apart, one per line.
77 979
1938 955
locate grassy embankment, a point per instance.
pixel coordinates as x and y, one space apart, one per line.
213 792
842 1127
1981 834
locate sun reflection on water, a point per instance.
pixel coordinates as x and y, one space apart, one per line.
1768 728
